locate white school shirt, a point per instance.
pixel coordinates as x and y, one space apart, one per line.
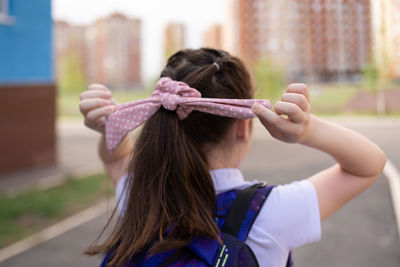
288 219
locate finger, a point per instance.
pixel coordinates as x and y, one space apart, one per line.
95 124
97 86
299 88
101 122
87 105
95 94
297 99
293 111
96 114
271 121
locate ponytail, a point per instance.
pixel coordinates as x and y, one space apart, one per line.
171 196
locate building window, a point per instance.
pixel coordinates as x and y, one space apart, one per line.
5 17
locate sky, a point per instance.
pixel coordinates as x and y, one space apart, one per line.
196 15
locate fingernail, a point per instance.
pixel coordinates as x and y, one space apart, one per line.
109 102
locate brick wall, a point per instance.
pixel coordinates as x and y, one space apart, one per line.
27 126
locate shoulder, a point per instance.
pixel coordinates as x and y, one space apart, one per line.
290 215
290 196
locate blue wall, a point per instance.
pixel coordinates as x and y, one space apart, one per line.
26 54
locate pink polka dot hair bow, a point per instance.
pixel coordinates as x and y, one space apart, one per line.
172 95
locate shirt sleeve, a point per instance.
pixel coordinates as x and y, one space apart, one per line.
120 194
291 215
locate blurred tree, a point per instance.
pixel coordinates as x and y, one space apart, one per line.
375 79
269 79
71 77
371 76
380 69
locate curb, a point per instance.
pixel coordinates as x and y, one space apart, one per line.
393 176
55 230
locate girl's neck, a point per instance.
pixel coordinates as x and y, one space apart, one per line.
220 158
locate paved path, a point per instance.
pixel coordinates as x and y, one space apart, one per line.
76 155
361 234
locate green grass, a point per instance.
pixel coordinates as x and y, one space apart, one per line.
34 210
68 103
326 99
331 98
126 96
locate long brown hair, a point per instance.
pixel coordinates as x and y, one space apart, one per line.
171 194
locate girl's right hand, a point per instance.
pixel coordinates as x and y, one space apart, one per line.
295 105
359 161
95 104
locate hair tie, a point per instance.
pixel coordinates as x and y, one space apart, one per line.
216 65
172 95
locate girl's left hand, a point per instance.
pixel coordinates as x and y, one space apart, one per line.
290 122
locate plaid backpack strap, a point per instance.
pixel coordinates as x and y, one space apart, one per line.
244 210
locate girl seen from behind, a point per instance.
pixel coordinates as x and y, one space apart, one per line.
167 181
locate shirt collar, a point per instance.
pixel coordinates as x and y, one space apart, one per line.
227 179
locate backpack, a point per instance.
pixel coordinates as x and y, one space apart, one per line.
236 211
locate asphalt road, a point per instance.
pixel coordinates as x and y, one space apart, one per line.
363 233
